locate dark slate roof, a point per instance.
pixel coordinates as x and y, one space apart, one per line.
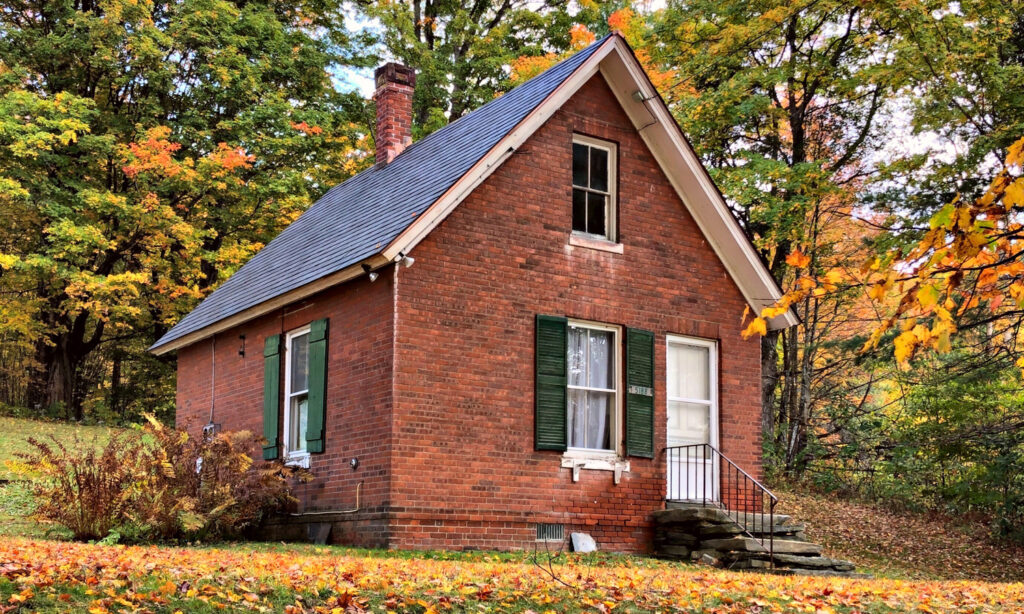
359 218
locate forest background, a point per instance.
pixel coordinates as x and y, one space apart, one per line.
871 151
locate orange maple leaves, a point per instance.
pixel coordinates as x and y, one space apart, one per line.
34 573
970 257
154 155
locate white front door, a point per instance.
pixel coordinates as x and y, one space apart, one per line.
692 396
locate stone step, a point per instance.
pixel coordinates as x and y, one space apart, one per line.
697 513
779 529
725 528
733 540
748 544
830 573
689 515
795 561
758 520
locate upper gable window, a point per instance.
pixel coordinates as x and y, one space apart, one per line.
593 187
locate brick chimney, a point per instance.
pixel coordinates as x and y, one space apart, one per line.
393 96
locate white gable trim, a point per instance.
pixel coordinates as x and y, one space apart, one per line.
616 62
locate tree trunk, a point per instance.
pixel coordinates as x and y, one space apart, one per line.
115 387
61 371
769 382
793 387
61 356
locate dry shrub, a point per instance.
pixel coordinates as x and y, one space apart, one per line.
158 484
82 487
207 488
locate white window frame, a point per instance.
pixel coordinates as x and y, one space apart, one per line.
711 403
296 457
611 204
596 454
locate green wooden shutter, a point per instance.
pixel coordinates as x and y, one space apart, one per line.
317 385
271 395
550 411
639 393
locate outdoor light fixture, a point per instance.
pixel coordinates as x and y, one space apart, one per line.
401 258
373 275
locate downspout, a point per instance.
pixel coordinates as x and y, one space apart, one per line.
213 375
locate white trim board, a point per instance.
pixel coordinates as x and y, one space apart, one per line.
299 457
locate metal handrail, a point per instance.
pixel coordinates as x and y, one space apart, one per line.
733 490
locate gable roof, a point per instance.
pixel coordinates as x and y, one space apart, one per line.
386 210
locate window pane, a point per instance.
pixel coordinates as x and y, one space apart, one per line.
599 417
689 369
300 363
599 169
688 423
299 416
595 214
577 356
579 164
600 361
579 210
577 418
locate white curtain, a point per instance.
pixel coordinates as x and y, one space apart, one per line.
597 420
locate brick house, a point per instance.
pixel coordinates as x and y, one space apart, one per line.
494 335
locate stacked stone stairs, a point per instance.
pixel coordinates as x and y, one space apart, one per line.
708 534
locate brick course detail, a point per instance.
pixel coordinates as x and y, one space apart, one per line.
430 368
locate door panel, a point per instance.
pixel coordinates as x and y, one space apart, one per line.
692 414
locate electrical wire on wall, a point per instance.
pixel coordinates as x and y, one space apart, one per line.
211 428
213 376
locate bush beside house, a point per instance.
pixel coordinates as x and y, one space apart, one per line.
156 484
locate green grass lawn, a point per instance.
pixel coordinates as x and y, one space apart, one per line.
42 571
15 432
16 503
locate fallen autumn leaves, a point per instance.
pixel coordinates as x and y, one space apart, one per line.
38 575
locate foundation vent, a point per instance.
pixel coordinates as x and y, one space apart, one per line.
550 532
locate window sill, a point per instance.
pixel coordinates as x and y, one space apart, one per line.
579 459
297 460
603 245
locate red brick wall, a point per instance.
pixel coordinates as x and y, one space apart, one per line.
358 412
465 471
